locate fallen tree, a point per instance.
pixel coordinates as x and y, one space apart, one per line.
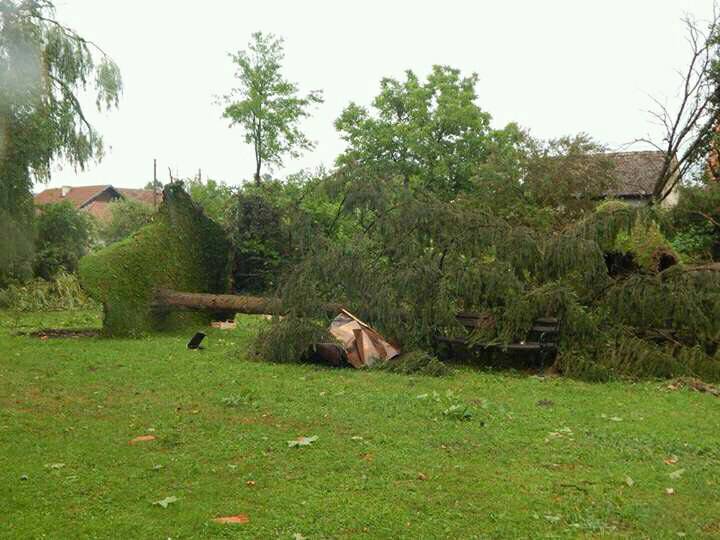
167 299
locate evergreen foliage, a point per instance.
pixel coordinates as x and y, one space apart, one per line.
414 260
182 249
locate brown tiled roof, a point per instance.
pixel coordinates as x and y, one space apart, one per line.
141 195
635 172
79 196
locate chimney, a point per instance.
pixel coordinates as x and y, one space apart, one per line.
64 191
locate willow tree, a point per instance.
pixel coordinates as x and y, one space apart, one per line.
44 67
267 106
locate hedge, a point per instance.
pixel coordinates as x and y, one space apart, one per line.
182 249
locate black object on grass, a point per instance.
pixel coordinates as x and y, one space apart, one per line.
194 343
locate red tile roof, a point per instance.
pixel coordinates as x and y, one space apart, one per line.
141 195
79 196
82 196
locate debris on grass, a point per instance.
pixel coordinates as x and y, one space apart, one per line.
458 411
676 474
142 438
237 519
302 441
672 460
195 341
415 363
51 333
629 481
545 403
363 344
167 501
694 384
224 325
669 491
54 466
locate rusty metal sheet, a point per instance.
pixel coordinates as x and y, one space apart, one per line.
363 345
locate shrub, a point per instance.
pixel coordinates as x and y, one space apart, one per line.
415 363
288 340
694 224
62 293
182 249
64 234
255 229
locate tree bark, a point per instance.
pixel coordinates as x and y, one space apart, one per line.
253 305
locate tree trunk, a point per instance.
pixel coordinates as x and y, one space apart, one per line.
253 305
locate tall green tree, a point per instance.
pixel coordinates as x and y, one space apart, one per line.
431 133
44 66
267 106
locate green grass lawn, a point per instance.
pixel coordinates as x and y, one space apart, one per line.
395 456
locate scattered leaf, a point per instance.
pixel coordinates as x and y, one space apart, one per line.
167 501
302 441
422 476
629 481
676 474
672 460
142 438
545 403
239 519
458 412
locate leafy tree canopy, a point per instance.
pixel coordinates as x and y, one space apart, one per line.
64 235
430 134
44 65
212 195
267 106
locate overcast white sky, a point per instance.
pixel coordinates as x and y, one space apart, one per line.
556 67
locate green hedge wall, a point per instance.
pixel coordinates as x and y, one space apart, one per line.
182 249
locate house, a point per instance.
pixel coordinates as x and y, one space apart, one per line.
635 174
95 200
